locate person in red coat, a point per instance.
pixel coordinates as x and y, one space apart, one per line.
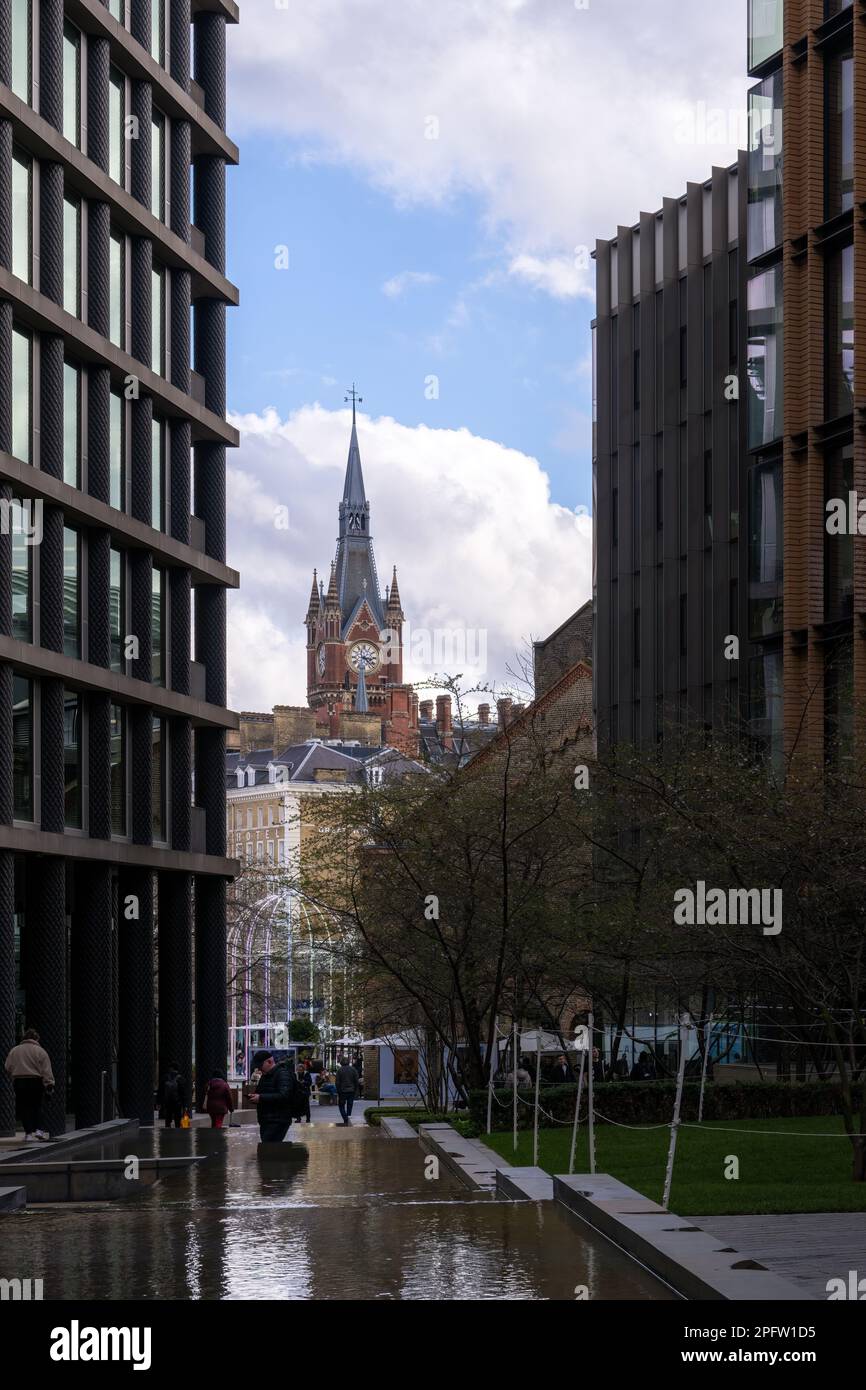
218 1100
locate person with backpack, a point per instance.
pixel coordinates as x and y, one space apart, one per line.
218 1100
172 1097
276 1097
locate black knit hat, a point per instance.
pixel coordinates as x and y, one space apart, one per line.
261 1056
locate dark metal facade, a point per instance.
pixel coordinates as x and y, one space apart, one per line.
668 475
113 158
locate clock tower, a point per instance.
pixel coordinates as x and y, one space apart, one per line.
354 638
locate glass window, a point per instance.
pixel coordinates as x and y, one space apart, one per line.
117 472
71 593
765 549
765 704
834 7
838 542
117 608
71 431
71 84
157 475
22 572
117 314
22 747
22 216
157 322
158 784
157 166
21 395
116 143
158 626
764 351
156 30
21 49
839 334
116 8
765 30
839 701
72 756
764 227
839 127
118 771
72 256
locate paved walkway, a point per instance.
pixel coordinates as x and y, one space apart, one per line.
807 1248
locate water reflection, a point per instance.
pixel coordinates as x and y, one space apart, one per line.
359 1220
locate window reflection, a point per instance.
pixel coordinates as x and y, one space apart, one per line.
839 154
765 166
839 334
764 354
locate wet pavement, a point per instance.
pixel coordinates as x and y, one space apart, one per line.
351 1215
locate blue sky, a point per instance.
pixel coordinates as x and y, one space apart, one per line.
512 362
467 155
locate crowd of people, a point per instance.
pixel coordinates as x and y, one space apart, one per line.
561 1071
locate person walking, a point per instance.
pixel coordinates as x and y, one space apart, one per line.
562 1073
347 1089
29 1067
172 1096
218 1100
274 1096
305 1083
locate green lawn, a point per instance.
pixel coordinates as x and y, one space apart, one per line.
776 1174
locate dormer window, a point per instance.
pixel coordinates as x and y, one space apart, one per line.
239 774
251 777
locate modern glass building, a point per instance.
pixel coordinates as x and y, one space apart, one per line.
113 867
668 445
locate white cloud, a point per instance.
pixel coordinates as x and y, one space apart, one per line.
480 549
558 275
561 122
407 279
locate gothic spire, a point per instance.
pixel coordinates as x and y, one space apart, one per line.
333 598
356 565
313 606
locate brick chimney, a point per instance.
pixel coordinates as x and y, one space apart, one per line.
334 721
503 709
443 721
443 714
426 708
484 715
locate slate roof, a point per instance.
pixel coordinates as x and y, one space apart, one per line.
304 759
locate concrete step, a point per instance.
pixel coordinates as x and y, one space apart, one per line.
12 1199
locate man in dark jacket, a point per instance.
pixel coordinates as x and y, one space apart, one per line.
305 1086
275 1098
561 1073
347 1089
172 1096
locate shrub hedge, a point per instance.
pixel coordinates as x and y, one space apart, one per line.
652 1102
461 1120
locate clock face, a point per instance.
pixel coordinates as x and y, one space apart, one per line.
320 659
364 653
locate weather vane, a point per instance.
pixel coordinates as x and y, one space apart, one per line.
354 398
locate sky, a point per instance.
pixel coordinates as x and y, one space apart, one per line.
419 190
